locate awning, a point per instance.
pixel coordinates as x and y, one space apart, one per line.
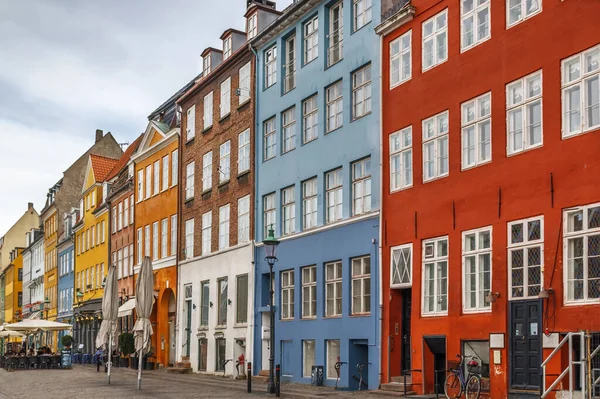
127 308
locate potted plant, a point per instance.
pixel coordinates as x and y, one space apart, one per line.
149 359
67 341
127 347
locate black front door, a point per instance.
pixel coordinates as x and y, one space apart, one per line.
525 344
406 308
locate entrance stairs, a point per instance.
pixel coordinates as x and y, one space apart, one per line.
396 387
182 367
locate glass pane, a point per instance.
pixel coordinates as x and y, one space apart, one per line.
594 217
534 230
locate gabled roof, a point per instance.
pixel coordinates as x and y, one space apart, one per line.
230 31
101 167
125 158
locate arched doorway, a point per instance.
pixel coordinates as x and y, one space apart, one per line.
166 327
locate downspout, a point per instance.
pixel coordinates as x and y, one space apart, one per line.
178 347
381 211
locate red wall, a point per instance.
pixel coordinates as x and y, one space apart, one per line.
560 30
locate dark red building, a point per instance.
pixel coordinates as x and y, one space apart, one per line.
491 197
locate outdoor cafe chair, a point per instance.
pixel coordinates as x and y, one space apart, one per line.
33 362
23 363
12 363
55 362
2 362
44 362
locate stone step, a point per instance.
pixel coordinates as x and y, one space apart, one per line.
179 370
400 378
391 394
183 364
260 379
264 373
396 387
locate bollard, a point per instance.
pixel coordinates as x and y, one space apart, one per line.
277 381
249 377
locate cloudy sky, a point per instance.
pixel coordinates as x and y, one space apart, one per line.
69 67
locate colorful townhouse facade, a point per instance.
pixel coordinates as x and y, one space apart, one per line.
13 291
66 273
92 251
33 274
216 225
317 188
490 211
49 216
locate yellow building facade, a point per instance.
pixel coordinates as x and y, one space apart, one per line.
50 220
13 290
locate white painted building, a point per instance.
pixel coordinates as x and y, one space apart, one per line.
33 274
215 310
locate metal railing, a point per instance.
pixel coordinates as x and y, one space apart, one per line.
593 365
569 369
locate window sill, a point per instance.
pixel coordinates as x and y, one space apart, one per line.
435 178
287 320
360 117
223 184
289 91
203 328
268 159
288 151
524 150
355 315
220 327
190 140
243 174
423 70
465 168
241 105
333 130
187 200
206 129
429 315
472 46
335 63
400 189
240 325
337 316
309 318
207 191
225 117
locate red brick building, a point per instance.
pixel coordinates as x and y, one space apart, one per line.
491 204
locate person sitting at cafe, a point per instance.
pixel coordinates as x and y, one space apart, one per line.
31 352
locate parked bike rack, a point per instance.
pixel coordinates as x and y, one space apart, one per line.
338 366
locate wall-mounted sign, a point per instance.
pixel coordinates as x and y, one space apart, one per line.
497 341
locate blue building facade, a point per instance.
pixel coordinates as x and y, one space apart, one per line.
66 281
317 185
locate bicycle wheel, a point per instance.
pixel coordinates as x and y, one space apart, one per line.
473 387
452 386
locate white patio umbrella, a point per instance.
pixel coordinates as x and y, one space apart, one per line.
144 291
110 310
35 325
11 334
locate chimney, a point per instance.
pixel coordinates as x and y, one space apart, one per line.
99 135
30 205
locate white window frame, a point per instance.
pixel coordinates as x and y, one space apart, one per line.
311 39
206 64
288 210
189 180
308 360
288 129
361 200
244 83
225 104
125 215
436 259
310 119
481 305
362 12
140 241
438 29
224 213
148 181
334 107
165 172
207 171
521 97
334 196
225 161
478 6
156 177
189 238
243 162
174 167
140 184
207 233
269 215
334 288
335 52
155 241
400 149
287 294
208 110
584 75
147 240
361 92
270 139
173 234
401 267
190 124
289 64
401 55
440 133
244 219
227 47
309 204
584 234
475 115
309 292
164 238
270 66
252 26
521 4
525 246
332 358
364 280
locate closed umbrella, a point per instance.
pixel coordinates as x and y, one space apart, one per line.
143 308
110 310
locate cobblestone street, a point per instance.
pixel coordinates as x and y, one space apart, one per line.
85 382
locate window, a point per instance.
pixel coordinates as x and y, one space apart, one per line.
525 257
119 263
173 234
287 295
335 106
311 39
520 10
207 171
308 357
581 92
244 77
148 181
252 27
288 210
435 146
125 215
435 40
189 180
333 356
165 172
226 47
289 66
244 151
139 245
582 254
225 97
206 64
477 269
401 59
147 240
208 110
204 303
224 227
401 159
103 230
336 34
164 231
155 240
475 22
524 112
224 161
190 126
269 213
361 187
174 167
334 196
119 219
362 13
435 277
126 261
221 344
476 124
270 67
222 300
310 119
288 120
270 139
333 289
241 296
244 219
309 204
361 92
114 220
401 268
206 233
92 230
189 239
361 285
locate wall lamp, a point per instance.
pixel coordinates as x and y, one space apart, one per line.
492 296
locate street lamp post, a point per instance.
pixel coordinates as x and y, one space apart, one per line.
271 244
45 306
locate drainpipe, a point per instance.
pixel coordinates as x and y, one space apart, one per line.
178 251
381 210
254 191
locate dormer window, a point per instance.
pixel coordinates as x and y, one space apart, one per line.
130 171
206 65
226 47
252 26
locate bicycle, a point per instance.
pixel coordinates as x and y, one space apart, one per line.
456 383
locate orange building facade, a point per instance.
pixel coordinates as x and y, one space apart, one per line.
155 191
490 206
